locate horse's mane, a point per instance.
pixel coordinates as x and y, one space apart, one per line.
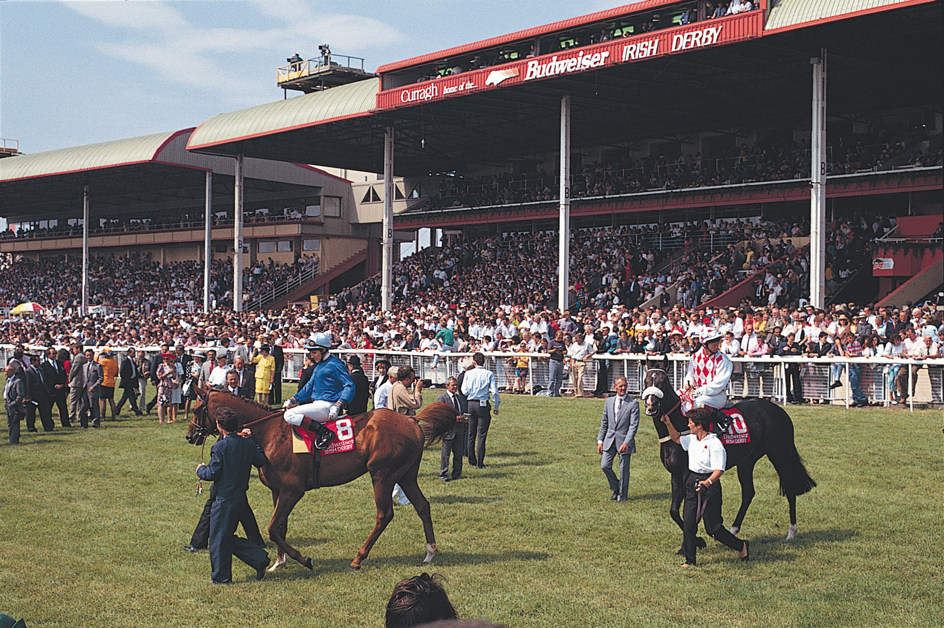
248 402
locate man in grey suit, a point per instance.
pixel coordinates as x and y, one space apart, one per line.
93 377
618 436
453 441
76 382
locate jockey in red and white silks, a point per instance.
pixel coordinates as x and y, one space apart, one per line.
709 371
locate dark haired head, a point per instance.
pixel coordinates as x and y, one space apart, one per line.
418 600
226 418
479 358
701 416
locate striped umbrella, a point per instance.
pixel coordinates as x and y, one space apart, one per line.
24 308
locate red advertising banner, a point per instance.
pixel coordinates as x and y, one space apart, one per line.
607 54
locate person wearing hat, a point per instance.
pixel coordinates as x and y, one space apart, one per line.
326 393
168 378
265 373
358 405
709 372
217 378
109 375
192 380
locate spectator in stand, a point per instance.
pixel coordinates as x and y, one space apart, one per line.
578 352
791 348
915 349
851 348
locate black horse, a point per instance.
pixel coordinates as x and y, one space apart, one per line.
771 435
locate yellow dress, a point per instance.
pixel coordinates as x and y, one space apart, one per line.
265 370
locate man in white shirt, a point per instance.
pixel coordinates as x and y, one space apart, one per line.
578 352
217 378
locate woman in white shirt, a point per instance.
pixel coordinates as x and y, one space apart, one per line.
706 462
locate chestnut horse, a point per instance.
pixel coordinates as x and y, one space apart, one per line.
387 445
771 435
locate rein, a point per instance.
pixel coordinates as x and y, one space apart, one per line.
670 410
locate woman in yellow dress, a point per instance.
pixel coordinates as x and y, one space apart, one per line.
265 373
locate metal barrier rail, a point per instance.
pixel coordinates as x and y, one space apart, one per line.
763 377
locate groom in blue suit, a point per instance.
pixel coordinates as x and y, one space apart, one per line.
618 436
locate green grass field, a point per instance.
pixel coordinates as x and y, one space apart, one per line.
92 525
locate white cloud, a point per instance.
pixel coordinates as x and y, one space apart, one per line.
161 37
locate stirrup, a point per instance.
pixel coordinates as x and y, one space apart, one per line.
324 437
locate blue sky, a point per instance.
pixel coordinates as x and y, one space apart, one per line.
76 73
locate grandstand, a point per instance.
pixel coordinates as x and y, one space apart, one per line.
666 121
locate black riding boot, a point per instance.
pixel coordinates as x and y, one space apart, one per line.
324 436
719 421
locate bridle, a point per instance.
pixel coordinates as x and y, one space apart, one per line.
653 391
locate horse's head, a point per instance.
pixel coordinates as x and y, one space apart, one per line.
201 425
657 390
660 398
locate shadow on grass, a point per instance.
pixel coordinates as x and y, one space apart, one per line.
461 499
653 497
336 565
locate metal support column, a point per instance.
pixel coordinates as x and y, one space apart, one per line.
207 236
238 239
563 256
818 184
386 284
85 251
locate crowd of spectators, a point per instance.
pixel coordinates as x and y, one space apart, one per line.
764 161
185 220
137 282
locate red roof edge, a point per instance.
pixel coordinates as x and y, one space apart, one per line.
628 9
171 139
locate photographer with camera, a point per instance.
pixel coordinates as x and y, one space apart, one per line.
401 399
706 462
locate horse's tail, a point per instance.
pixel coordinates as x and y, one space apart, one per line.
794 479
435 420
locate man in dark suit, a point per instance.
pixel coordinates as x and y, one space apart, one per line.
821 348
129 383
279 356
57 383
233 387
453 441
358 404
231 460
38 398
618 436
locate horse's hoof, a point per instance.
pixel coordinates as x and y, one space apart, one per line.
278 564
354 567
430 553
793 532
309 564
700 542
735 530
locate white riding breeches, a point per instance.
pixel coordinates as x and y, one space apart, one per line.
316 411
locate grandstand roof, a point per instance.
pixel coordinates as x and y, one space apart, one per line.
761 82
146 174
785 14
331 105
